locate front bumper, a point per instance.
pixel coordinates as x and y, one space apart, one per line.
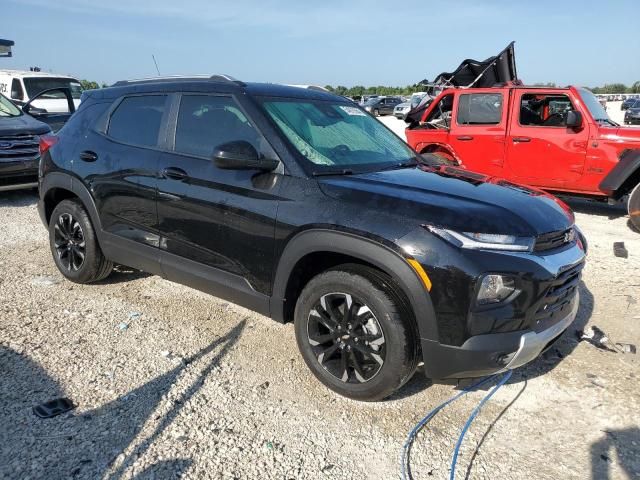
18 174
495 352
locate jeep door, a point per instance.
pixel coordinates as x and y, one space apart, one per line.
478 130
541 149
217 225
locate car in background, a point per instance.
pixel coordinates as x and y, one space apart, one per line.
19 147
22 86
628 103
632 114
400 111
382 105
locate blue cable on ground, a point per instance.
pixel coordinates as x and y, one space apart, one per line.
414 432
472 417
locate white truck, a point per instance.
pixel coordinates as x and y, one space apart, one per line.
20 86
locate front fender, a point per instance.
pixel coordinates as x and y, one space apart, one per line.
627 166
383 257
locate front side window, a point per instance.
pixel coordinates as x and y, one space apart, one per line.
35 85
136 120
207 121
329 134
544 109
479 109
440 115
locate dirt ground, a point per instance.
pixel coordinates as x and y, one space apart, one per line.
170 382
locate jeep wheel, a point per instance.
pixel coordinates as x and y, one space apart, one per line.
634 207
74 246
376 112
352 334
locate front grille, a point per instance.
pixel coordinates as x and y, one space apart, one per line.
19 147
557 300
549 241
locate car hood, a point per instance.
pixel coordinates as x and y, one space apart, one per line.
620 134
24 124
454 198
633 110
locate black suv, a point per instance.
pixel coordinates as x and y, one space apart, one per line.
299 205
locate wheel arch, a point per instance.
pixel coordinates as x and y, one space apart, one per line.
333 248
438 148
58 186
624 176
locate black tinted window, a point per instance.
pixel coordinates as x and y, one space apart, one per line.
480 109
206 121
544 110
137 120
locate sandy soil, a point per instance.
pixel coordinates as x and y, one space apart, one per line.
198 388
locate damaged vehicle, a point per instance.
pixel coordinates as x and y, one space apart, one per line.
557 139
299 205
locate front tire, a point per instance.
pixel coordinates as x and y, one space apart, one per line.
376 113
354 335
633 207
74 245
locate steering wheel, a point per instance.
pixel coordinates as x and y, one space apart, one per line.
555 119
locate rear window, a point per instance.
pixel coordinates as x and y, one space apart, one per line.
35 85
137 120
480 109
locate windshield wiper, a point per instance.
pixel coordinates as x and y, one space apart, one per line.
323 173
396 166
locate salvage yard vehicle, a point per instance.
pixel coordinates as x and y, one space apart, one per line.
632 114
381 105
20 136
299 205
21 86
558 139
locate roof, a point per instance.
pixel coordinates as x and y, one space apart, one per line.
7 43
228 83
27 73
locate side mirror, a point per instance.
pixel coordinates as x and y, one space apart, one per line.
241 155
574 119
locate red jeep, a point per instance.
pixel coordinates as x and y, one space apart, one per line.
558 139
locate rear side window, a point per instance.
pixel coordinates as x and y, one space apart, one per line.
207 121
479 109
137 120
16 90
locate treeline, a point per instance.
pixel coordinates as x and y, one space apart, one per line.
617 88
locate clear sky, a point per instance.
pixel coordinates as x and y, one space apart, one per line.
353 42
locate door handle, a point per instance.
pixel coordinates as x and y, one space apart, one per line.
174 173
88 156
521 139
465 138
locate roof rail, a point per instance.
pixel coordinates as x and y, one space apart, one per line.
169 78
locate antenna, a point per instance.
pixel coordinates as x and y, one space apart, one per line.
156 63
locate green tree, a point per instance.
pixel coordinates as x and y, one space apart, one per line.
89 85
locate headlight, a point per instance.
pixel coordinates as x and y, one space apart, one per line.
484 241
495 289
368 109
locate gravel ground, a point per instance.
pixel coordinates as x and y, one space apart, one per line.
169 382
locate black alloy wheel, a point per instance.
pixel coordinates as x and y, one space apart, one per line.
69 242
346 338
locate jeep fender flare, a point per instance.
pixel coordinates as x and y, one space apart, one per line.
362 248
438 147
628 165
73 185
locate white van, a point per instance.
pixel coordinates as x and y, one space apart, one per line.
20 86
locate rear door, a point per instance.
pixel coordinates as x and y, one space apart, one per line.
217 225
541 150
118 162
478 130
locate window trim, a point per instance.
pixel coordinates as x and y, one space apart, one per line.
498 123
162 134
172 124
548 94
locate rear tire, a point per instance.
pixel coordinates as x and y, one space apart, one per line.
376 112
365 354
633 207
74 245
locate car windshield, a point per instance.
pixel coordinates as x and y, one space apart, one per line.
595 107
7 108
35 85
331 135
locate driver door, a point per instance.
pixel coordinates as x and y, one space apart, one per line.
541 150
